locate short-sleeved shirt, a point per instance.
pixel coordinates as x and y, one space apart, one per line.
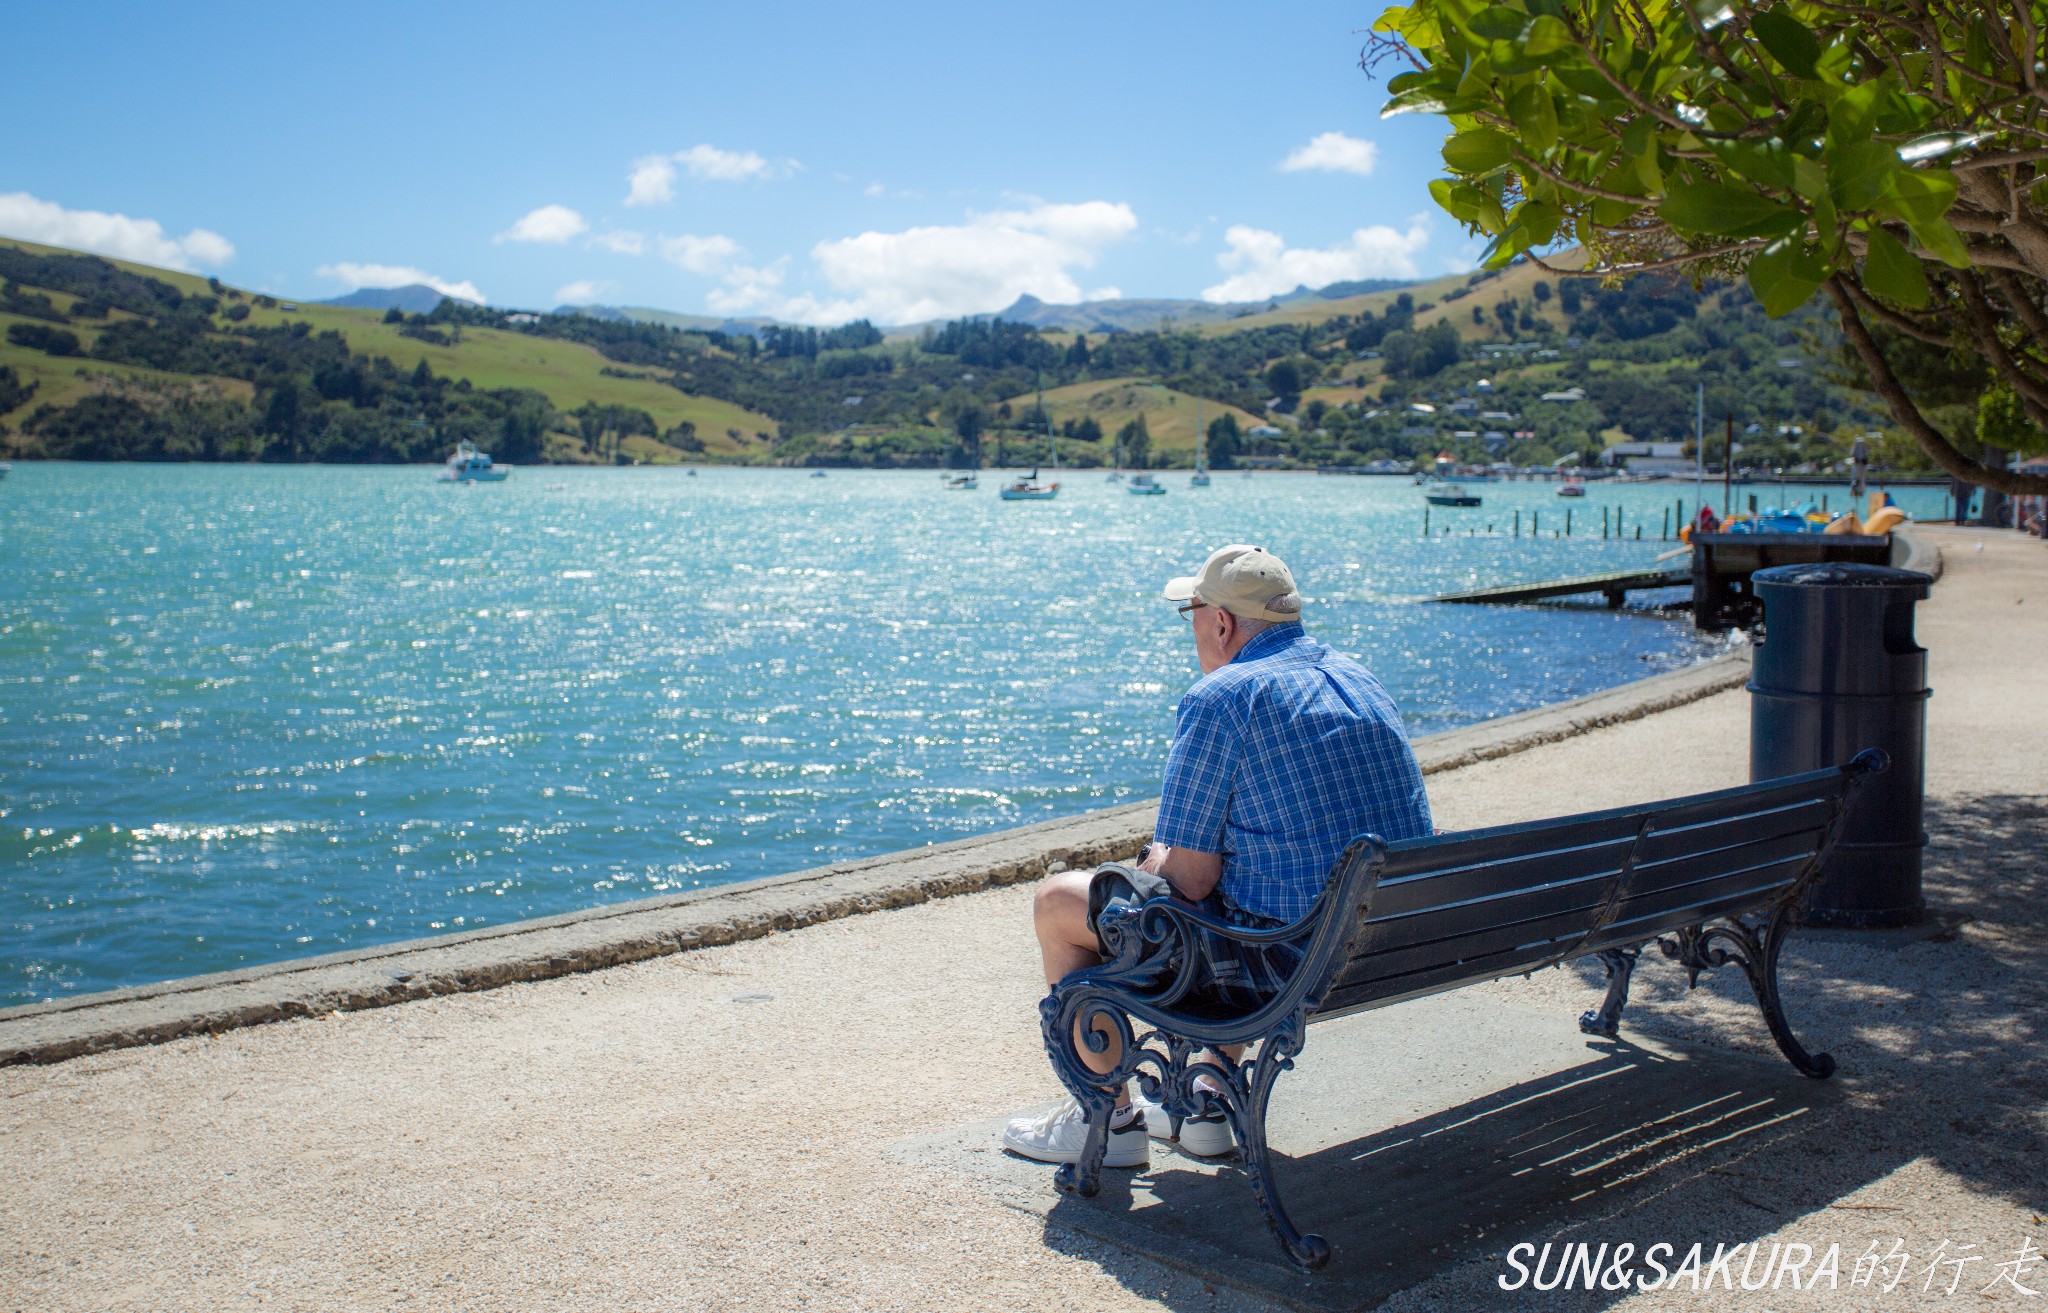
1280 759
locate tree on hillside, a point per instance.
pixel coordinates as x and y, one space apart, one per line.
1284 378
1885 153
1226 440
1134 440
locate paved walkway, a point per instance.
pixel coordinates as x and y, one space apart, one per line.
727 1129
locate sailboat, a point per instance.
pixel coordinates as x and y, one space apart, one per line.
1116 460
1201 479
1029 488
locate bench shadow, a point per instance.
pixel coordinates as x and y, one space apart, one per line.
1417 1199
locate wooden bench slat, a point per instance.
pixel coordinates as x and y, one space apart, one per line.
1665 911
1671 840
1827 784
1683 873
1435 980
1439 854
1558 929
1475 884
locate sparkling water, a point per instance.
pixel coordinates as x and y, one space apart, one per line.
250 713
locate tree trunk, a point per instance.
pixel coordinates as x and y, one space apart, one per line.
1992 516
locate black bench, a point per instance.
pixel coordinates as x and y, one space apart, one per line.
1713 879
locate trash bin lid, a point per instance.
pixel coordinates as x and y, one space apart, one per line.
1841 574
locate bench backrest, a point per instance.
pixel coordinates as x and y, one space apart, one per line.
1479 904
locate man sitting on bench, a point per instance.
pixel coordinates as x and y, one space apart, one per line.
1283 753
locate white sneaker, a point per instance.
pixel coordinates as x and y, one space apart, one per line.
1203 1137
1057 1137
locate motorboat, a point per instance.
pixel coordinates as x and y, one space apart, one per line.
961 482
1573 486
468 465
1144 485
817 474
5 469
1448 494
1200 479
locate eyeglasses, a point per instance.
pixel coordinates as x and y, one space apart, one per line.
1195 605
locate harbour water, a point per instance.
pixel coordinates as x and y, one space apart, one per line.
250 713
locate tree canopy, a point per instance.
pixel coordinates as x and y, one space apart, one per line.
1886 153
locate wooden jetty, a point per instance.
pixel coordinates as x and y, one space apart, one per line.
1615 585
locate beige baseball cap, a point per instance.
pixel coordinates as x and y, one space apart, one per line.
1244 580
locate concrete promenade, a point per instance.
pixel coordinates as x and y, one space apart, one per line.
799 1120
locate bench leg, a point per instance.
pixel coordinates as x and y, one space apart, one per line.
1060 1014
1755 950
1245 1106
1606 1019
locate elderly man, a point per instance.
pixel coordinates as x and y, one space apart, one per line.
1283 752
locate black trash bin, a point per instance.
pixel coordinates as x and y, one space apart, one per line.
1837 671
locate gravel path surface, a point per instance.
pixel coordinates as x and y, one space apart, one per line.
713 1130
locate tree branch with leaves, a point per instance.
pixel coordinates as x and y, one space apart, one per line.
1893 153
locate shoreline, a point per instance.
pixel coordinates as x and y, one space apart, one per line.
574 943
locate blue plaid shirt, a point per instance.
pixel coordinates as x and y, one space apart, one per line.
1279 760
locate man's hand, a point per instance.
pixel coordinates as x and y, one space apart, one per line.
1192 874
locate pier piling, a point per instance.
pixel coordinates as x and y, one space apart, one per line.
1567 521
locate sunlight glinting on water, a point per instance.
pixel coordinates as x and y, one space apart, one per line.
249 713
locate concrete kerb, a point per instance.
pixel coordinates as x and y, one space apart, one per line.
591 940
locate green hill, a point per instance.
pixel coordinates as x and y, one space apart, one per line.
569 375
1170 416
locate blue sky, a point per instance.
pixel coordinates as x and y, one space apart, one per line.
815 162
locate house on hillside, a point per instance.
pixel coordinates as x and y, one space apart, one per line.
1649 458
1567 395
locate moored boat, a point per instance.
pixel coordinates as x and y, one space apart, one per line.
1144 485
1029 488
961 482
468 465
1448 494
1573 486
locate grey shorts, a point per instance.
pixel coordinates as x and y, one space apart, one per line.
1230 977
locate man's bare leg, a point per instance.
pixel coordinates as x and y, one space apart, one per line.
1059 914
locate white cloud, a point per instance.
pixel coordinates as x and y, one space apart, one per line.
553 224
706 161
396 275
1261 264
1105 294
874 189
583 291
652 181
1333 152
620 242
939 272
141 240
701 255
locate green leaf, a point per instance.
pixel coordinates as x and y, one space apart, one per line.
1535 114
1499 23
1478 150
1861 173
1547 36
1943 243
1918 195
1893 272
1788 40
1766 163
1720 210
1422 100
1537 221
1785 276
1853 114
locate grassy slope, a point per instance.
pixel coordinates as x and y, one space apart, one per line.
1169 415
567 372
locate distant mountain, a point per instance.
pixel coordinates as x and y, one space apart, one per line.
413 299
668 318
1133 315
